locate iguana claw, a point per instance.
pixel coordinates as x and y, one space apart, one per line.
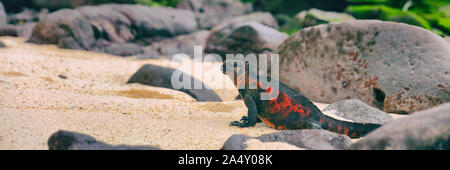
243 123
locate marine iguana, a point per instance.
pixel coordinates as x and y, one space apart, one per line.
289 110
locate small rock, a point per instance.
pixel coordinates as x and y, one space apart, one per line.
161 77
358 111
424 130
302 139
211 12
395 67
62 76
65 140
2 45
236 142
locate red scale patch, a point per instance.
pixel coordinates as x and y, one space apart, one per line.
284 105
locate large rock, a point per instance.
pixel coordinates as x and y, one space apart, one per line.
161 77
358 111
306 139
395 67
212 12
3 16
425 130
184 44
83 27
244 38
65 140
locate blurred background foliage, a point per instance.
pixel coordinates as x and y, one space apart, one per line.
430 14
433 15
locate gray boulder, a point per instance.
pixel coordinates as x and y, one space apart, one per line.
161 77
424 130
395 67
358 111
83 27
65 140
211 12
244 38
307 139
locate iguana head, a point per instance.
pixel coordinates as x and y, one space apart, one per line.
241 71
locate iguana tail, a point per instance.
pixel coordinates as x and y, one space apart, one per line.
352 129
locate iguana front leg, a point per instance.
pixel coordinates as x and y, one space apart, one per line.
252 118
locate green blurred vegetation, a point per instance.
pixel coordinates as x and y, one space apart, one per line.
430 14
386 13
157 3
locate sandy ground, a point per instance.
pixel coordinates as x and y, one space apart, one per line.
44 89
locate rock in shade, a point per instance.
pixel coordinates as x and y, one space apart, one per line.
305 139
358 111
396 67
83 27
2 45
182 44
244 38
424 130
161 77
65 140
120 49
211 12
